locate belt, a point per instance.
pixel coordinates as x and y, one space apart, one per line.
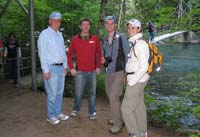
57 64
129 73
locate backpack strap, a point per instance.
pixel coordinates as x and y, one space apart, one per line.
133 45
132 48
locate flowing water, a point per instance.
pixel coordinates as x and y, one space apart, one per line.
180 59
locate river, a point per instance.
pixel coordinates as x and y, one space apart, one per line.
180 59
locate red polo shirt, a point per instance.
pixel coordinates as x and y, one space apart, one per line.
87 53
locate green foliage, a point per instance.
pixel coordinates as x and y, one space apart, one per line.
196 111
193 92
164 16
100 85
162 112
194 135
159 11
169 112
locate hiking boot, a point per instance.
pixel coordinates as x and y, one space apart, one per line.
92 116
74 113
115 130
110 122
53 120
62 116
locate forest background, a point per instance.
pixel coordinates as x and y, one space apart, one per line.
160 12
175 14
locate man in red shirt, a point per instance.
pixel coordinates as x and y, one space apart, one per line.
87 51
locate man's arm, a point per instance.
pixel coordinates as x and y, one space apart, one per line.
64 56
69 56
126 47
42 52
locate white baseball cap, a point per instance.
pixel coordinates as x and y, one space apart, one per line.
134 23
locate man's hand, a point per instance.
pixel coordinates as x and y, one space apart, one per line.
103 60
65 72
47 75
98 71
73 72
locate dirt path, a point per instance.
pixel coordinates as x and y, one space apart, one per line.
23 114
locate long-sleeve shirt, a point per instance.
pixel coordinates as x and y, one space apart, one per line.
51 49
87 53
112 50
139 63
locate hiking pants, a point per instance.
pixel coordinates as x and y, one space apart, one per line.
134 110
113 87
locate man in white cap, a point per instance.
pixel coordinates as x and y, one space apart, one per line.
133 107
115 50
54 66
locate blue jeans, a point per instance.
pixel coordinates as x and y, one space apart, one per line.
151 36
54 88
82 80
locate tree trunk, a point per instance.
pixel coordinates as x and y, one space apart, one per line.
101 20
120 14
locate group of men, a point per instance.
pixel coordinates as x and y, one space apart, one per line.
89 55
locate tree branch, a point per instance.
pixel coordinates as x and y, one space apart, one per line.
4 8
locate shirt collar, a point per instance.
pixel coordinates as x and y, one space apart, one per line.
135 37
116 35
52 30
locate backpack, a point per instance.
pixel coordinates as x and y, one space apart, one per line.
155 59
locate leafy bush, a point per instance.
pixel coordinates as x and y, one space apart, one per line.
187 104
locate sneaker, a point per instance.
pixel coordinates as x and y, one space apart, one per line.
74 113
62 116
144 134
53 120
92 116
115 130
131 135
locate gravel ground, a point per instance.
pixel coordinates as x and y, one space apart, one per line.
23 114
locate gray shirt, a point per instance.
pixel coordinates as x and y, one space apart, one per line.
113 48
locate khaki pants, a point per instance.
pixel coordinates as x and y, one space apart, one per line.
134 110
113 87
